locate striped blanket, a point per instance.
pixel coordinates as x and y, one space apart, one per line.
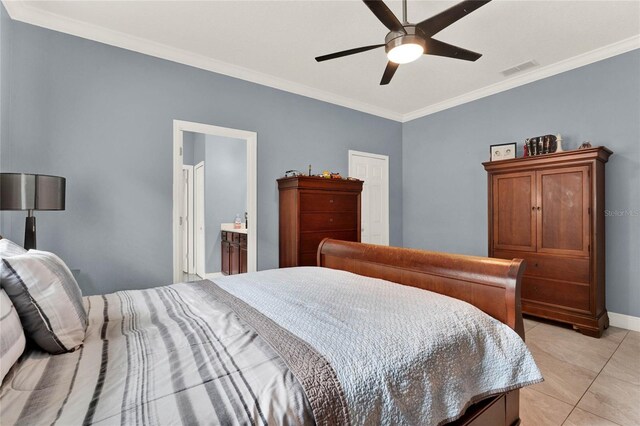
163 356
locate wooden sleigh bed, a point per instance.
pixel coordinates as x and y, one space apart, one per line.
492 285
158 351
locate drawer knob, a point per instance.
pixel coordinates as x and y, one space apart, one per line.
330 219
331 201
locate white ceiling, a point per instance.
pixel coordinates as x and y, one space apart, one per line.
275 42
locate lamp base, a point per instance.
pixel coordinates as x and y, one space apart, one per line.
30 233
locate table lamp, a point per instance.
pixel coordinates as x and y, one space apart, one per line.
22 191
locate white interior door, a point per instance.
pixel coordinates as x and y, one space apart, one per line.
188 262
373 169
198 190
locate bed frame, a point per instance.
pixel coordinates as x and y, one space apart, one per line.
492 285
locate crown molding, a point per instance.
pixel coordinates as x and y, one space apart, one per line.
20 11
577 61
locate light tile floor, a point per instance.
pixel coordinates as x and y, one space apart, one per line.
588 381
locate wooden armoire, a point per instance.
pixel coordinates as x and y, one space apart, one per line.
549 210
314 208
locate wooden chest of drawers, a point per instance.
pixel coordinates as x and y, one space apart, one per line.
312 209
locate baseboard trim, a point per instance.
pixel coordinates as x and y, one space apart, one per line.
624 321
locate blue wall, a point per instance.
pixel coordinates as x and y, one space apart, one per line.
445 186
5 45
102 117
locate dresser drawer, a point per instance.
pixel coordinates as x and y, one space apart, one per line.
556 267
556 293
327 202
327 221
309 241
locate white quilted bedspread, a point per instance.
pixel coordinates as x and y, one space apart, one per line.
402 355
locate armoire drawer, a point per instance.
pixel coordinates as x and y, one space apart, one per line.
309 241
327 221
327 202
557 293
556 267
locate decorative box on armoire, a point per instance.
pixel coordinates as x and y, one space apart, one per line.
549 210
314 208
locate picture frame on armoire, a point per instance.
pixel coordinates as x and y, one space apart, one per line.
503 151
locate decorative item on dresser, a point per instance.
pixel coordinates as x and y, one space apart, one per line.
549 210
234 252
504 151
314 208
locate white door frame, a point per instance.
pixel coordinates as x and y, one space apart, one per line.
385 193
251 139
189 220
199 240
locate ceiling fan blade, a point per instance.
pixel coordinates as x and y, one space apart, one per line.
442 20
385 15
440 48
347 52
389 71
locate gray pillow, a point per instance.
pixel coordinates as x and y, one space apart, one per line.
47 298
12 339
9 248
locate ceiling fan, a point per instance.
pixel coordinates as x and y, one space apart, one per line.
406 42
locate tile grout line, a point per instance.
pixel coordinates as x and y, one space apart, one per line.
594 380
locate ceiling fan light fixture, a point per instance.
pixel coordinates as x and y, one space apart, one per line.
404 47
405 53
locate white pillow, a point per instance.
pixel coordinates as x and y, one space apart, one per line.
47 298
12 340
9 248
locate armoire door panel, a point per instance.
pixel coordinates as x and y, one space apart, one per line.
563 219
514 211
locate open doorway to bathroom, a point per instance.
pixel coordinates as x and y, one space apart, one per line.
214 200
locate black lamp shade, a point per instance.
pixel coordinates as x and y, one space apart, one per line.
21 191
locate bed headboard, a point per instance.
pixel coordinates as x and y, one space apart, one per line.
492 285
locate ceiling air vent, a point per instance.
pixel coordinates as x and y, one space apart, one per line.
520 67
